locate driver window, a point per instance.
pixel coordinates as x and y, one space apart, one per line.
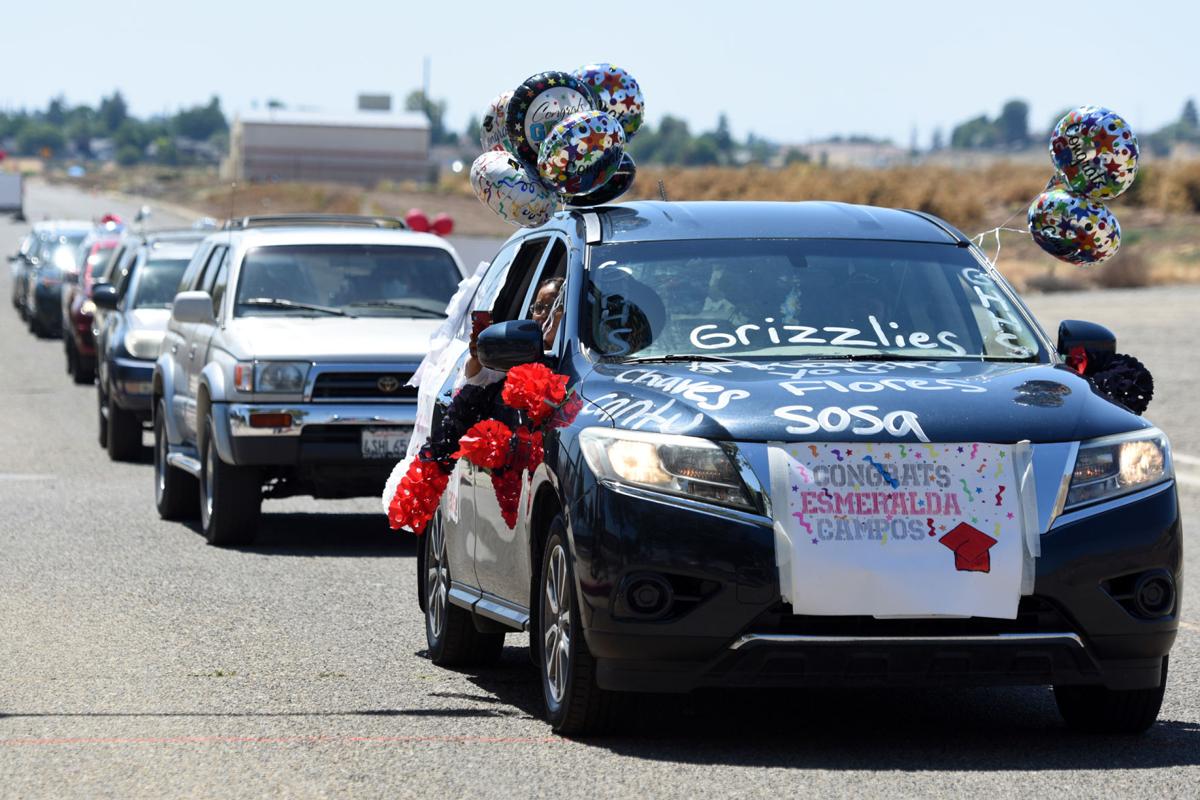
219 286
544 296
511 301
489 286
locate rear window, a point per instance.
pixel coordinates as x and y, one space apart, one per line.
157 281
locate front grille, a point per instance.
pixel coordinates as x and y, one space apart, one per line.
364 386
1034 615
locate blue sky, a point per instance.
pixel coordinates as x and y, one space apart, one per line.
788 71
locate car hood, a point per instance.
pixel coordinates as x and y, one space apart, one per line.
148 319
343 338
935 401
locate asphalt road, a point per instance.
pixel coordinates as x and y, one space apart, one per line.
136 661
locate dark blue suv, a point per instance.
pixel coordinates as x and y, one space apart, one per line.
820 445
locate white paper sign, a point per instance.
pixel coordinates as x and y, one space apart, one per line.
899 529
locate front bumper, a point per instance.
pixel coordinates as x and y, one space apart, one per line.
319 433
728 626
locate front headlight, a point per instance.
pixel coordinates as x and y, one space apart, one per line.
143 344
1116 465
680 465
278 377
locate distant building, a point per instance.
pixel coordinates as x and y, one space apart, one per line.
849 153
352 148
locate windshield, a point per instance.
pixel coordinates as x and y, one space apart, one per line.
157 282
767 298
98 260
350 279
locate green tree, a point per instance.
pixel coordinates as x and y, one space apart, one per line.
38 136
128 156
56 112
113 112
1013 123
1189 118
976 133
435 112
703 151
201 122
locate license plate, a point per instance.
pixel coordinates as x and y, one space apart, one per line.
385 442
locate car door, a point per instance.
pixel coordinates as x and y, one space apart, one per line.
194 352
104 320
502 553
459 517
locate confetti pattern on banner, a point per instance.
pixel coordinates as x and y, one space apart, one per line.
582 152
540 103
1074 229
1095 152
915 529
618 94
502 184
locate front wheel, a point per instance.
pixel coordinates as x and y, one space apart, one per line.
124 436
230 496
175 491
575 704
1095 709
449 630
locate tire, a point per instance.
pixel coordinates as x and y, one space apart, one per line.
575 704
230 496
102 420
70 353
1095 709
449 630
124 437
80 373
176 493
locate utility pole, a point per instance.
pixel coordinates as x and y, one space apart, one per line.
425 78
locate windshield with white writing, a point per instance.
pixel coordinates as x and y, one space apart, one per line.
750 298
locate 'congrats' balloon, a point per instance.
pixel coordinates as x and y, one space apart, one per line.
1095 152
492 133
616 186
540 103
1073 228
618 93
582 152
502 184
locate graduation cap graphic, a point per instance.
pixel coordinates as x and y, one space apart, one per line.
970 546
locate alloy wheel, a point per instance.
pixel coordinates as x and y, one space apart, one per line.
556 624
437 578
160 461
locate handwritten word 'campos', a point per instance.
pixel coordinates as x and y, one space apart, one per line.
711 337
637 414
705 394
799 388
835 420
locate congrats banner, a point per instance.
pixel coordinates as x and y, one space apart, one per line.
900 529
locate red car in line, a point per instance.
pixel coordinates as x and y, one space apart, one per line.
96 255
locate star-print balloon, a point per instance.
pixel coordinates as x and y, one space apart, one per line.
1073 228
1095 152
618 94
616 186
582 152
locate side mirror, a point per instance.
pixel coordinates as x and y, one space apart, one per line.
1080 342
510 344
104 295
193 307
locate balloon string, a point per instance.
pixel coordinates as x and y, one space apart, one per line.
979 238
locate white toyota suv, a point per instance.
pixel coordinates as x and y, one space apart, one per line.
284 366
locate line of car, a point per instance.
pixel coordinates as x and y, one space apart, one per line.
649 551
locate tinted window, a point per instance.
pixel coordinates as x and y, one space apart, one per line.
356 279
156 282
803 297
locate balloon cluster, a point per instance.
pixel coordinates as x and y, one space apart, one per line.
559 136
1095 155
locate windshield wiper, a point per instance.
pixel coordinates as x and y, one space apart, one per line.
913 357
278 302
398 304
678 357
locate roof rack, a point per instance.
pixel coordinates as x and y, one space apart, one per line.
332 220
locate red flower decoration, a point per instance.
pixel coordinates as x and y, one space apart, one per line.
534 388
529 451
507 486
565 414
486 444
417 496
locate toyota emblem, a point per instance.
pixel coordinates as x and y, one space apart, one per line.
388 384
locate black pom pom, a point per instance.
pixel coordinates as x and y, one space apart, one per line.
1125 380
